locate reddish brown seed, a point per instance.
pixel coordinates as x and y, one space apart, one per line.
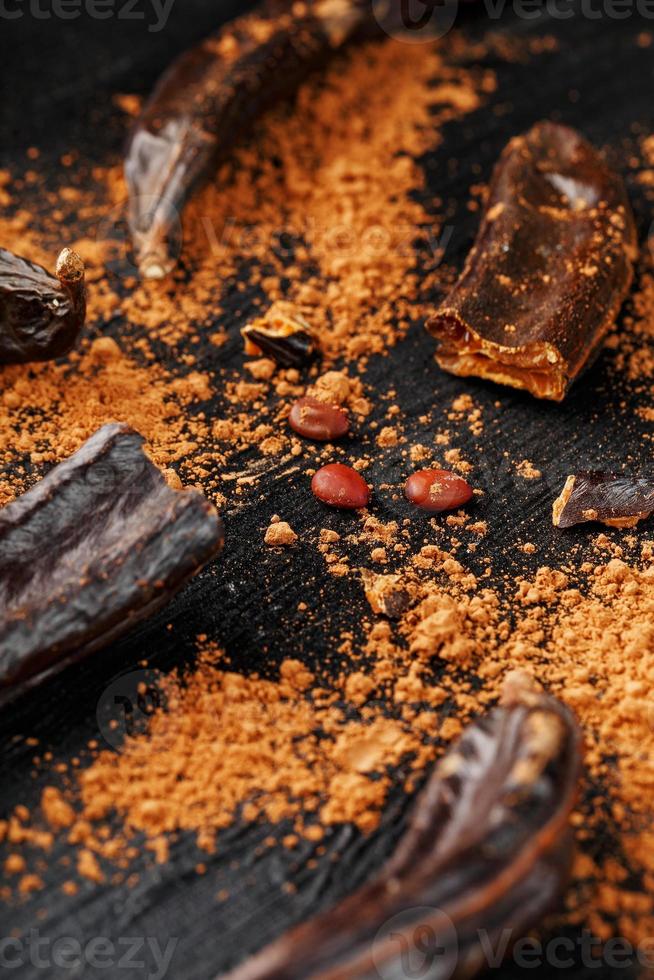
314 419
437 490
340 486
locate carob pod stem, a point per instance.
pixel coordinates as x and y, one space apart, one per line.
487 849
549 270
41 317
101 543
211 95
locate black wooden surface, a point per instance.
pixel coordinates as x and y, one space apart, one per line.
57 81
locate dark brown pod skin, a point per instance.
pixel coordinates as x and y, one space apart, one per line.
41 317
487 848
609 498
290 350
549 270
209 98
101 543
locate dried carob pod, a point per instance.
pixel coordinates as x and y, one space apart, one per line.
609 498
101 543
487 850
282 334
549 270
41 316
211 95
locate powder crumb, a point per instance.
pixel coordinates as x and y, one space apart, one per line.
454 458
14 864
56 810
528 471
88 867
261 370
280 535
30 883
387 438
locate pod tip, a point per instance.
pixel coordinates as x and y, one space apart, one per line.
152 268
70 267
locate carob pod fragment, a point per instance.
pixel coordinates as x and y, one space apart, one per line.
549 270
41 317
101 543
487 849
211 95
283 335
610 498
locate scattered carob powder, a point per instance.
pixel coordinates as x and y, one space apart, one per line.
321 210
325 210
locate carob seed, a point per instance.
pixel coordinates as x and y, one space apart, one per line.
437 490
340 486
317 420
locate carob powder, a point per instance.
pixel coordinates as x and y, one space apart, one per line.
326 209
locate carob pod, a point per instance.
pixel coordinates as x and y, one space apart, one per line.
549 270
101 543
41 317
610 498
488 849
283 335
211 95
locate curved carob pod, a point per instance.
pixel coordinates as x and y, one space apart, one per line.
211 95
613 499
549 270
41 316
487 849
101 543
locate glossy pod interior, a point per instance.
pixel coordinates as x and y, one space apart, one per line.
614 499
549 270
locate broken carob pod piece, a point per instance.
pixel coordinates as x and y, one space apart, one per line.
210 97
609 498
281 334
40 316
486 854
549 270
101 543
